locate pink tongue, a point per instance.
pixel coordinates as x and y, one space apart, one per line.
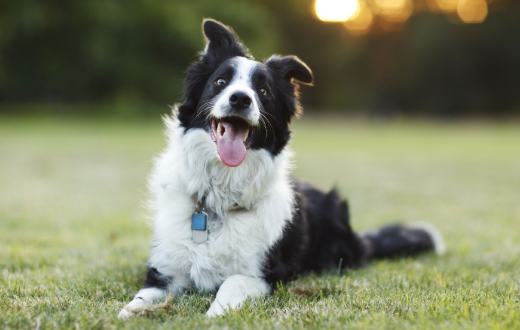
231 147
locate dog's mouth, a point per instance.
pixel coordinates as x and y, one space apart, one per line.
233 136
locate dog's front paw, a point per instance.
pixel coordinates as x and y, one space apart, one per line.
125 314
135 307
216 310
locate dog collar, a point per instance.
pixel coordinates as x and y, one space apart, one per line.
199 220
199 223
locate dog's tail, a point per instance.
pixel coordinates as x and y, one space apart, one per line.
402 241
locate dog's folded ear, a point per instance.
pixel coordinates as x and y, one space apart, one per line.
290 67
221 41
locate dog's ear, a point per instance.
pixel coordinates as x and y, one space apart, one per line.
221 41
290 67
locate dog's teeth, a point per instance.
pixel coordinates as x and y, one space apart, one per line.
219 129
247 134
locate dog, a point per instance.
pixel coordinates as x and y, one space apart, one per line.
228 217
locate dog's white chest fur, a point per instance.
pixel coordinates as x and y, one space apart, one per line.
249 207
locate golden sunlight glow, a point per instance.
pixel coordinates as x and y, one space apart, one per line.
394 10
361 21
336 10
448 5
390 5
472 11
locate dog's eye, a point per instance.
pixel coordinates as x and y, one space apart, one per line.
220 81
263 91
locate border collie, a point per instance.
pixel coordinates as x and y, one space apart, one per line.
228 217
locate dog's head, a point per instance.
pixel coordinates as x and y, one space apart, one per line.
242 103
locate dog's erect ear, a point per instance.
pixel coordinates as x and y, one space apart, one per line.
221 41
290 67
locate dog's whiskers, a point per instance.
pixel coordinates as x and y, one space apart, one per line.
204 108
267 113
262 115
262 123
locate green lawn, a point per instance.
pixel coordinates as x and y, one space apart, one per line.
74 237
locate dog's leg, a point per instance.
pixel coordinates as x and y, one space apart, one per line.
156 287
234 291
142 299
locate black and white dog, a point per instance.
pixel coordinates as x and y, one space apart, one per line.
227 214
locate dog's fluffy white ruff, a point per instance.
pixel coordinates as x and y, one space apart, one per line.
251 205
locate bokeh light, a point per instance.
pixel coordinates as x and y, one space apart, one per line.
448 5
472 11
359 16
394 10
336 10
361 21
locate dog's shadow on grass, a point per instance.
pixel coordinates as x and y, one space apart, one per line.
300 288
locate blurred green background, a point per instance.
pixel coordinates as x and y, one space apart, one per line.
128 57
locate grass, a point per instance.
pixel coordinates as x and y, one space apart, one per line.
74 240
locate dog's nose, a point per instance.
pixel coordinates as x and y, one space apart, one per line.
240 100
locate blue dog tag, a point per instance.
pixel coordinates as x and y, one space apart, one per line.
199 227
198 221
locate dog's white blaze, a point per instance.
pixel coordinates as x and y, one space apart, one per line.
241 82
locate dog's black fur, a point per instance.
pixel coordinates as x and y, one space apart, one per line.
320 238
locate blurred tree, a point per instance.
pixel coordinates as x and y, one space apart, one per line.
133 54
112 51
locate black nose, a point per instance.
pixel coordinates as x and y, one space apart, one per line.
239 100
